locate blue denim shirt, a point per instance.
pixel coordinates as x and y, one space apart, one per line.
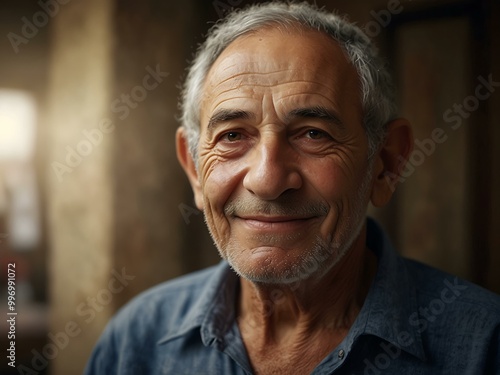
415 320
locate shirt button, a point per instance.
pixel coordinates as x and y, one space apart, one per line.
341 353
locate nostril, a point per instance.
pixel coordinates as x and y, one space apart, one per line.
271 169
271 185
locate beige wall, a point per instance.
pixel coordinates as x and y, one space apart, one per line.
79 199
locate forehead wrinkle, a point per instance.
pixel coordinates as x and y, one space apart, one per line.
251 87
238 79
218 104
315 93
219 93
297 76
232 76
328 99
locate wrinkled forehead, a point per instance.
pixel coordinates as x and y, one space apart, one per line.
273 48
275 56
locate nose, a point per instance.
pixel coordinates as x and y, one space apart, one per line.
272 168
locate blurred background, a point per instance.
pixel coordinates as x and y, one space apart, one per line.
94 207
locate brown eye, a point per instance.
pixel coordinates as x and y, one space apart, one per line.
315 134
232 136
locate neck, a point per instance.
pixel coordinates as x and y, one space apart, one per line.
274 314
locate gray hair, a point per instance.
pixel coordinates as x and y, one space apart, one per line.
377 97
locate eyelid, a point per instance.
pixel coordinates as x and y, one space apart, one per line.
304 131
222 133
225 118
226 133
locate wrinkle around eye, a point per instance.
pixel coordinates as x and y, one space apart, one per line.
330 146
305 142
225 148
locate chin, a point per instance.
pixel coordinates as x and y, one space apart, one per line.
275 266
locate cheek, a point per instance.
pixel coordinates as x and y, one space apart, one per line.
337 181
331 179
219 181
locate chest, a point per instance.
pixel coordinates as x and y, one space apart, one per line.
283 366
288 359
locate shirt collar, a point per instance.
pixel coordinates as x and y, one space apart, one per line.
213 312
386 313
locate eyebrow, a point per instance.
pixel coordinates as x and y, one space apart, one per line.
224 115
316 112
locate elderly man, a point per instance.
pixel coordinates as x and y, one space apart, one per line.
289 131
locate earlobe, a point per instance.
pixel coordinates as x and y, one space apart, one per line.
391 159
186 160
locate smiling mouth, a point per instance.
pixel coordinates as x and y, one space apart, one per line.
275 224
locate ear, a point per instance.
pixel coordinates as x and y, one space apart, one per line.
390 161
186 160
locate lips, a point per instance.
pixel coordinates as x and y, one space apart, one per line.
275 224
285 215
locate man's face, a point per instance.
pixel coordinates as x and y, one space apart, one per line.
283 164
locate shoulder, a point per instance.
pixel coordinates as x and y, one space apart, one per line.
433 284
162 308
457 322
171 294
456 318
133 334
